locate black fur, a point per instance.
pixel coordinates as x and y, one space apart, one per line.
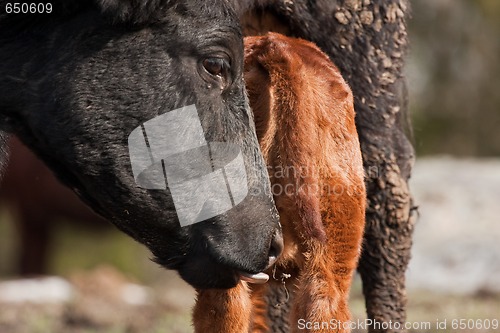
76 85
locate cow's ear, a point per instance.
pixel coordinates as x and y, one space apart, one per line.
133 11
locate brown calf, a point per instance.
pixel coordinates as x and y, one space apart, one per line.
304 117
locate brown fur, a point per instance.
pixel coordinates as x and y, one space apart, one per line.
304 117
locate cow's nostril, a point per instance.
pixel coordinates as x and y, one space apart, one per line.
276 247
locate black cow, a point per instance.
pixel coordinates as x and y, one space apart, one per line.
75 83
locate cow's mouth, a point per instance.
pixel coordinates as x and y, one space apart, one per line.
204 270
259 278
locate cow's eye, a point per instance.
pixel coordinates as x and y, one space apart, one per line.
214 66
216 69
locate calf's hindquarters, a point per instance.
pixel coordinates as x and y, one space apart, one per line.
304 117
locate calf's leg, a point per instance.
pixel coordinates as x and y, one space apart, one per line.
223 311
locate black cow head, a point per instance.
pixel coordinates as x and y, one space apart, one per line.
76 83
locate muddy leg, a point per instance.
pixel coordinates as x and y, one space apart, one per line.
389 226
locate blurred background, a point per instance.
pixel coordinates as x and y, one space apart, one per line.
109 284
453 72
454 76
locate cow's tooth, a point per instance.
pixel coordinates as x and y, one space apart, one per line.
259 278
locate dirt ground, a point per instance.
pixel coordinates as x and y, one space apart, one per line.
104 301
454 274
98 300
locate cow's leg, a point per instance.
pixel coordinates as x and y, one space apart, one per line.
272 304
219 310
279 300
388 157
